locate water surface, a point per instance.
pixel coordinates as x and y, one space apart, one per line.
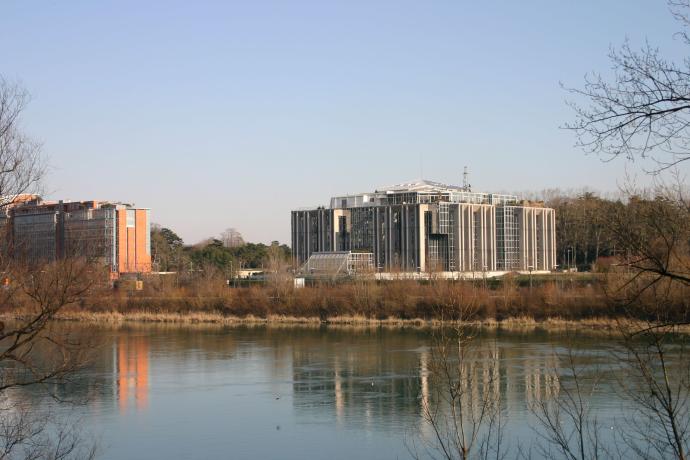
302 392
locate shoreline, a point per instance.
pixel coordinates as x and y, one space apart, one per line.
603 325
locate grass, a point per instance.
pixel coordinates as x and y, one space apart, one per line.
526 324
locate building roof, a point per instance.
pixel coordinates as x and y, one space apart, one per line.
418 185
38 205
419 191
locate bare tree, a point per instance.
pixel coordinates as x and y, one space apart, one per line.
33 352
26 434
277 265
565 421
644 111
653 285
21 163
39 295
657 381
232 238
652 234
463 409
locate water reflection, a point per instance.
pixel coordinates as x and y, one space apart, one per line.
385 375
371 384
541 379
387 382
371 379
132 363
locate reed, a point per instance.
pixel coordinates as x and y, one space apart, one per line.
552 303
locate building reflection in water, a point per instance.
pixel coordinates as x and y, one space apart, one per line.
339 398
369 387
132 355
381 381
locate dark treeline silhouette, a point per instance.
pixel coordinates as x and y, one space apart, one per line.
170 254
583 230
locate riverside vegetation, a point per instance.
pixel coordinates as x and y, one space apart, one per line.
512 299
639 272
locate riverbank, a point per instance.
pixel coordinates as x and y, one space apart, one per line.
553 304
399 301
599 325
211 318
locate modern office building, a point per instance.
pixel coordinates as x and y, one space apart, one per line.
426 226
114 234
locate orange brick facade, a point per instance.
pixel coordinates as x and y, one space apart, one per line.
133 253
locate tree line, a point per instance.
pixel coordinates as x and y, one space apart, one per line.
587 225
227 254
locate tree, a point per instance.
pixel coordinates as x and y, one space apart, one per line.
167 249
582 233
569 429
21 164
462 411
232 238
32 353
250 255
214 254
644 112
42 294
277 264
653 286
656 366
652 236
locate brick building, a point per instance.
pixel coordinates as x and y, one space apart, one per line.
114 234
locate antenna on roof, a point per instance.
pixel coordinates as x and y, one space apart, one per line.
466 180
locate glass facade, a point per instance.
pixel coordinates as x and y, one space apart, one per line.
430 228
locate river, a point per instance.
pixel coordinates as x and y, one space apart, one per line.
187 392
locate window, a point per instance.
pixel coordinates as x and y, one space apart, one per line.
131 217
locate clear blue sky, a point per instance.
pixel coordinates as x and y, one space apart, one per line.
229 114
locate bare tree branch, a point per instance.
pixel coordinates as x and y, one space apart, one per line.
643 111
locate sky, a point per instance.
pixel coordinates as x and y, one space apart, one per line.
220 114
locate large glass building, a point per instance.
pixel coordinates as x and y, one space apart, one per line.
426 226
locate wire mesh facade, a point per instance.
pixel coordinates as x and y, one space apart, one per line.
92 233
35 237
429 227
